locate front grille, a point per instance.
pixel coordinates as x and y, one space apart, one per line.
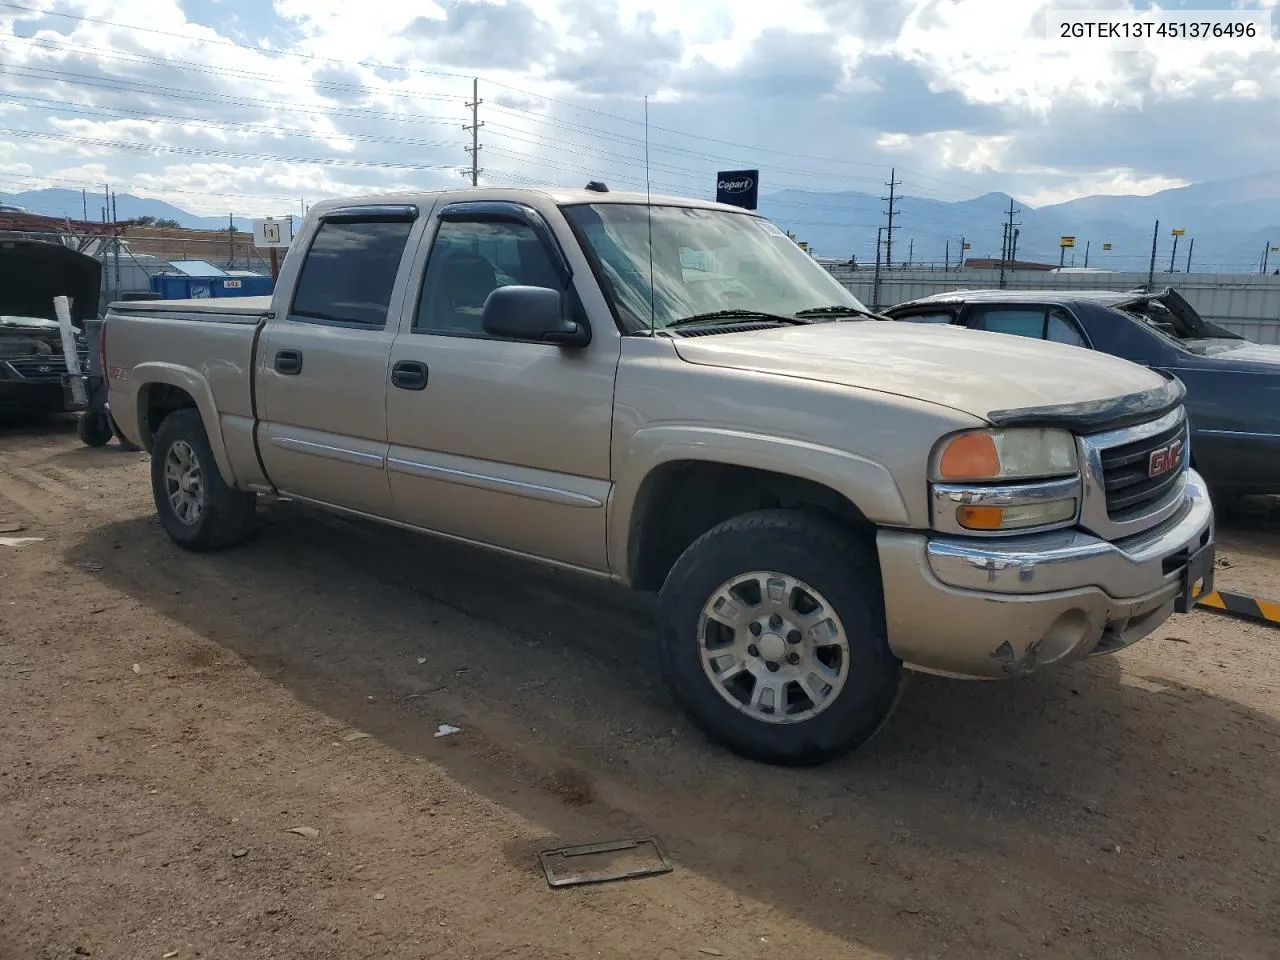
50 367
1131 490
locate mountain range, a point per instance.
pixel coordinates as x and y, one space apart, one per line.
1232 222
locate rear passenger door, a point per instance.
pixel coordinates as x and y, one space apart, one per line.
322 370
1037 321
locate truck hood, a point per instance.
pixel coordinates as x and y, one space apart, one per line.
33 272
995 376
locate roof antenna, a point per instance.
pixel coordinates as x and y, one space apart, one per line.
648 204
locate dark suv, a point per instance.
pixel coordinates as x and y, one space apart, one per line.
32 273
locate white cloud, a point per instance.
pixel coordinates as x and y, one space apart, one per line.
966 96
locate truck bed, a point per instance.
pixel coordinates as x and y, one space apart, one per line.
207 346
225 309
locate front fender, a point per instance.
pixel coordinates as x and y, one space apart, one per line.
145 375
866 484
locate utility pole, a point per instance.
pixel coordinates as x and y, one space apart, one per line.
946 264
1009 235
115 241
1013 247
1087 243
231 240
1266 256
960 256
84 203
875 283
106 200
911 250
1174 252
474 128
1151 270
1190 246
888 238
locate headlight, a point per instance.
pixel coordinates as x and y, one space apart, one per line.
1023 453
1005 481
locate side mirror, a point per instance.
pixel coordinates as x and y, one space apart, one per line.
532 313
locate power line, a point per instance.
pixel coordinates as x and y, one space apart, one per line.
753 148
206 152
124 113
135 86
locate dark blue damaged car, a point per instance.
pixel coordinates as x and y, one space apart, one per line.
1233 384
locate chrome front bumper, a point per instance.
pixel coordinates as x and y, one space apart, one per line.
964 606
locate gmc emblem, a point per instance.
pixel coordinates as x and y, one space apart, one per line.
1165 459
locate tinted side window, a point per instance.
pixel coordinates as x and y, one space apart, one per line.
1062 329
349 272
1018 321
468 261
941 316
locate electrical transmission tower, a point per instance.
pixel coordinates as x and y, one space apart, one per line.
893 183
474 129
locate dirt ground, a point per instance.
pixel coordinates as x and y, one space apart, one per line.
167 718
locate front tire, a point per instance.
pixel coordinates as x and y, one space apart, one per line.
773 638
197 508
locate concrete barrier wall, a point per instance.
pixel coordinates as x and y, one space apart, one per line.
1248 305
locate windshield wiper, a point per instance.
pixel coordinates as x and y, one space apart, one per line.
736 315
837 310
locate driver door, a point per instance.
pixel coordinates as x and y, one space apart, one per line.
498 441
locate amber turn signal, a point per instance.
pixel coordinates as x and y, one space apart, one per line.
981 518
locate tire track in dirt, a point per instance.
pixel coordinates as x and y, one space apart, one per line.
975 827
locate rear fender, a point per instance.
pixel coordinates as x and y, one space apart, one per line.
146 375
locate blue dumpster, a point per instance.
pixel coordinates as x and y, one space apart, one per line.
184 287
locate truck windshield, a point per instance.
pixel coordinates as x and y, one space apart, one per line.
704 261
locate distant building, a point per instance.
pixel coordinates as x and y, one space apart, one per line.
993 263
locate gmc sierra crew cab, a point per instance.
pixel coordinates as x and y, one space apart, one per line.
674 395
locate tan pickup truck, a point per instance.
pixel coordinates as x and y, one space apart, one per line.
675 396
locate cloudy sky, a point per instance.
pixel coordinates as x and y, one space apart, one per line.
256 105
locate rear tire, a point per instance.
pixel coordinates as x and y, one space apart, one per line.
94 428
125 442
197 508
773 638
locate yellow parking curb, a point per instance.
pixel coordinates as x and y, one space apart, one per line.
1238 605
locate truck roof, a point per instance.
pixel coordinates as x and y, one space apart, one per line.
557 195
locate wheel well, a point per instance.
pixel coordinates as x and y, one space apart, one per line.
157 402
681 501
